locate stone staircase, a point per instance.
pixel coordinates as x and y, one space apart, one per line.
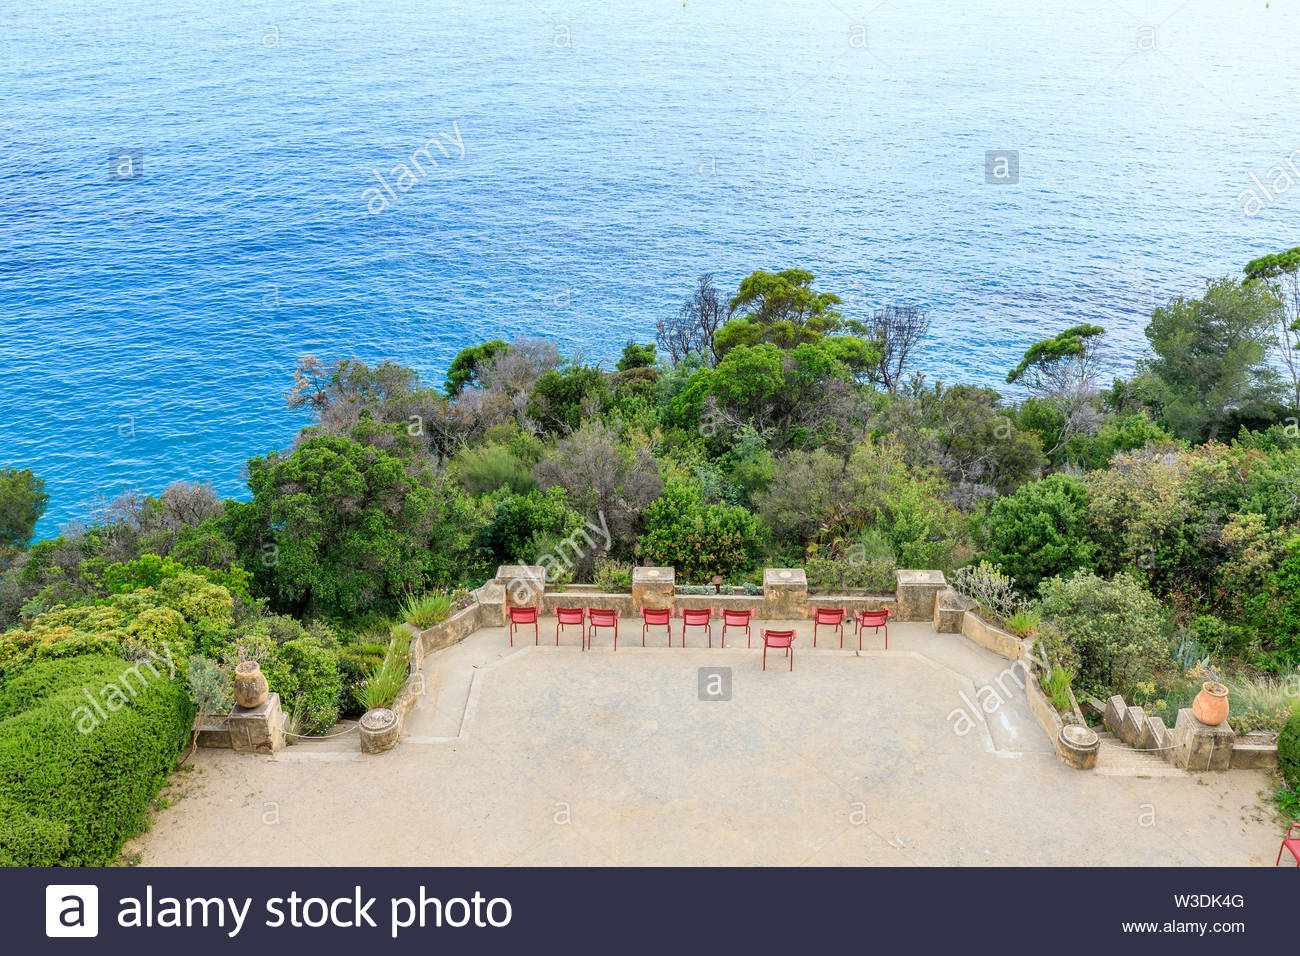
1118 759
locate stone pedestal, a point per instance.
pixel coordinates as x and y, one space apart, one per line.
1078 746
258 730
949 612
917 591
1199 746
654 588
380 729
491 598
524 584
785 594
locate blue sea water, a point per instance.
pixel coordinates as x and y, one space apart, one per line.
612 152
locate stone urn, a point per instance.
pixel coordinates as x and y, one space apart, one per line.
1211 705
250 685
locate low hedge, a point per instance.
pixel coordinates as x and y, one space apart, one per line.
76 781
1288 752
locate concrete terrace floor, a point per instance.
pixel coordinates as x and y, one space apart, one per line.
546 755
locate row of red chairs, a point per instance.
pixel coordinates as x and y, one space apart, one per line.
591 618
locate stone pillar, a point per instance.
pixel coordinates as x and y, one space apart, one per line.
655 588
1199 746
917 591
258 730
785 594
949 612
491 599
524 584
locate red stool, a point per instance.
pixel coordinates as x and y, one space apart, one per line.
875 619
657 616
778 639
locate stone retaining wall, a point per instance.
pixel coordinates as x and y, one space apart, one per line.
1020 652
381 728
986 635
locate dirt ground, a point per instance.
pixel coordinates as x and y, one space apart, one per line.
552 755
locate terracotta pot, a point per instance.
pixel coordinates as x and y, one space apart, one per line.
1211 704
250 685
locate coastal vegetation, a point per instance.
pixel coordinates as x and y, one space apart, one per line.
1141 527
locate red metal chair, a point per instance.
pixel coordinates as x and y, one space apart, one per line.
736 619
1290 843
564 616
656 616
831 617
600 617
522 615
875 619
778 639
693 617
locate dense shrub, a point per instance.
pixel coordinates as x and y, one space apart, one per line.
612 576
1117 626
337 528
524 524
851 571
824 498
182 614
488 468
1040 531
561 399
1288 752
75 784
700 539
305 673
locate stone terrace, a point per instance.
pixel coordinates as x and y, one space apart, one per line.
546 755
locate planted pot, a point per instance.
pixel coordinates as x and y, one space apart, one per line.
251 688
1211 705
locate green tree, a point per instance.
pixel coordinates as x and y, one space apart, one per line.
1118 628
22 502
525 525
636 356
792 396
1040 531
782 308
561 399
1281 271
1062 371
469 364
343 529
1211 355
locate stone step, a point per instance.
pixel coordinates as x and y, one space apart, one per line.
1118 759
